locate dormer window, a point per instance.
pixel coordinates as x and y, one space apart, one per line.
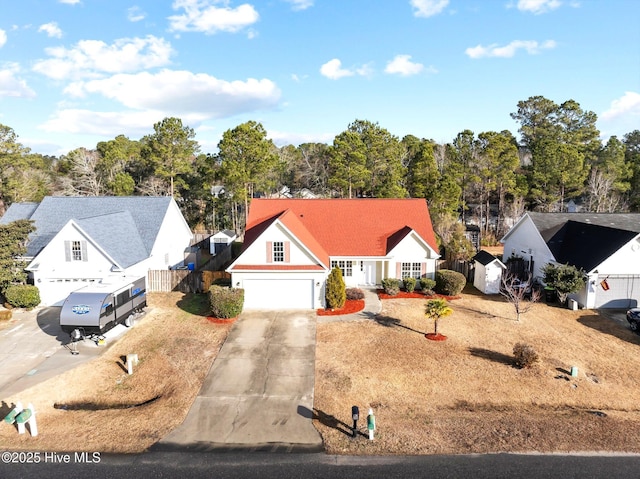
278 252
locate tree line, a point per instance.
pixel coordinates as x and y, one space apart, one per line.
487 177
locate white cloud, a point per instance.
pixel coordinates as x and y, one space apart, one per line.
205 16
428 8
530 46
11 85
135 14
90 58
538 6
70 2
102 123
51 29
300 4
183 93
627 105
402 65
334 71
3 37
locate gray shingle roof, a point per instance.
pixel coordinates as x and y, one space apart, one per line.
585 240
485 258
123 236
110 229
621 221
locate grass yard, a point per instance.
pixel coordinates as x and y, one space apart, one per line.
464 395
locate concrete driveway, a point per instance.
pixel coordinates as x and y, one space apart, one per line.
259 391
33 348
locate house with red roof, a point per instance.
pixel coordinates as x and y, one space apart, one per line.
291 245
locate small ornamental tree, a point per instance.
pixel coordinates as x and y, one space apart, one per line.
336 291
13 240
565 279
436 309
517 291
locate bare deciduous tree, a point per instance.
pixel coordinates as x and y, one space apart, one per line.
519 293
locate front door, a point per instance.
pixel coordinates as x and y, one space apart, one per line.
369 272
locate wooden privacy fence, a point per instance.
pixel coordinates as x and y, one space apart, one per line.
185 281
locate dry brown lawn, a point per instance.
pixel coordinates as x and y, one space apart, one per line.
464 395
175 346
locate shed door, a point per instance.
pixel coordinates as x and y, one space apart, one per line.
623 292
278 294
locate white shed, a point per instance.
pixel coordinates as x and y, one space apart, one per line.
221 240
488 272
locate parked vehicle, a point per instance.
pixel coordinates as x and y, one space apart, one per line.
99 307
633 316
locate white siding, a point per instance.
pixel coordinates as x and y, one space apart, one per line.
525 241
169 247
411 250
256 254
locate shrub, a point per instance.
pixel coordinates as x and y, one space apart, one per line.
222 282
226 302
427 284
5 314
525 356
409 284
22 296
336 293
354 293
391 286
449 282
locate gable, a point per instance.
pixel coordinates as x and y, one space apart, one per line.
258 254
410 248
58 254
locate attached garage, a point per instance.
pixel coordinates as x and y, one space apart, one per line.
618 291
279 293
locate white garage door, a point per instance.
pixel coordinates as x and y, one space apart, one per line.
278 293
623 292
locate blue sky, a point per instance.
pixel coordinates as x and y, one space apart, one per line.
75 72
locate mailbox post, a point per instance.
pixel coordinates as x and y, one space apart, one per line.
355 415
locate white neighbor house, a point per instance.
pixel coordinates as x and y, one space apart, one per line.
606 246
291 245
83 240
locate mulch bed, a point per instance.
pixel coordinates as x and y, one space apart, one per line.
350 306
413 295
435 337
213 319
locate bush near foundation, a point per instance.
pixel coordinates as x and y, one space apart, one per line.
409 284
22 296
427 284
354 293
449 283
226 302
391 286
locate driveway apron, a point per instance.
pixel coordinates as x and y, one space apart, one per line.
259 390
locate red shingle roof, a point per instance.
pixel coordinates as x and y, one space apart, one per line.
343 227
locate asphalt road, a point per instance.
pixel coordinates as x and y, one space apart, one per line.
235 465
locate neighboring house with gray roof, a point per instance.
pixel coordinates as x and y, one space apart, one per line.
80 240
606 246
